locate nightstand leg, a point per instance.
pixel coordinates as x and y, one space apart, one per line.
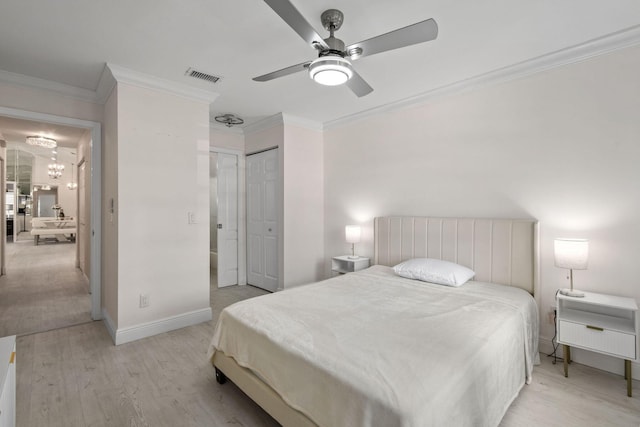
567 354
628 376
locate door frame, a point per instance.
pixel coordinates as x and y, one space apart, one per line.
95 203
3 215
242 220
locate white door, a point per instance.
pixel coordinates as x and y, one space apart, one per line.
262 220
227 226
82 236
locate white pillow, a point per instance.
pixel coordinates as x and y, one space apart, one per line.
434 271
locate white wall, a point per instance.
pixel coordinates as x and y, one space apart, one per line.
226 139
163 169
303 205
561 146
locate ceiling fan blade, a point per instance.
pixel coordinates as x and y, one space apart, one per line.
417 33
358 85
291 16
284 72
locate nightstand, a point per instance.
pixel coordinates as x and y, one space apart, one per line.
602 323
344 264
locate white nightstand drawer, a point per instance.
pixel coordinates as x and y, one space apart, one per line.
605 341
346 264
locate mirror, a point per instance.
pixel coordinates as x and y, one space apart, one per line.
20 169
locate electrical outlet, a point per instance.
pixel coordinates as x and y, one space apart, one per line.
144 300
551 314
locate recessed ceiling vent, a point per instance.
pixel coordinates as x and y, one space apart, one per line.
202 76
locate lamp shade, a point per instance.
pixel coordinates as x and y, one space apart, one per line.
352 233
571 253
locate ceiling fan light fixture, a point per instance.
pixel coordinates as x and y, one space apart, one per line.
330 70
229 119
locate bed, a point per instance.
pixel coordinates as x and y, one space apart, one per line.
371 348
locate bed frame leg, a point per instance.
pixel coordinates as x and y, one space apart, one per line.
221 378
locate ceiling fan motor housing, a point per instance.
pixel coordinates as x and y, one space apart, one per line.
332 20
336 47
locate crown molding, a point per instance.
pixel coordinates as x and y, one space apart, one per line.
289 119
282 119
110 75
266 123
106 84
136 78
577 53
61 89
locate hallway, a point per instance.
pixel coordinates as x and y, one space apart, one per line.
42 289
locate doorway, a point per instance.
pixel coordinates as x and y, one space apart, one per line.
262 219
92 234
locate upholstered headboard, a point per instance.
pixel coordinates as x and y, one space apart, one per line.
503 251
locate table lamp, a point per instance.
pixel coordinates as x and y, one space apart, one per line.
352 235
572 254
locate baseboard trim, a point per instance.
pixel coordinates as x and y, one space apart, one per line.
149 329
108 323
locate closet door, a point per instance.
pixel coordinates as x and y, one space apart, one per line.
262 220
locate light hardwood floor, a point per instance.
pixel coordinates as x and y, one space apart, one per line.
42 289
77 377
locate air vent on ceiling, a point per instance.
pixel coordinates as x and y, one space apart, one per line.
202 76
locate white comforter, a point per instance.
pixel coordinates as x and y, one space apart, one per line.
373 349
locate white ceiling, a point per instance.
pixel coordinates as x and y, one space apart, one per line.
69 42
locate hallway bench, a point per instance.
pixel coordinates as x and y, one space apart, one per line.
63 231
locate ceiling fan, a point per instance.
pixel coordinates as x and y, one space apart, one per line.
333 65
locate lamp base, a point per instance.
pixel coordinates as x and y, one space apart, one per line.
572 293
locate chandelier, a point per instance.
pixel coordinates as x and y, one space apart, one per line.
41 141
55 168
72 185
